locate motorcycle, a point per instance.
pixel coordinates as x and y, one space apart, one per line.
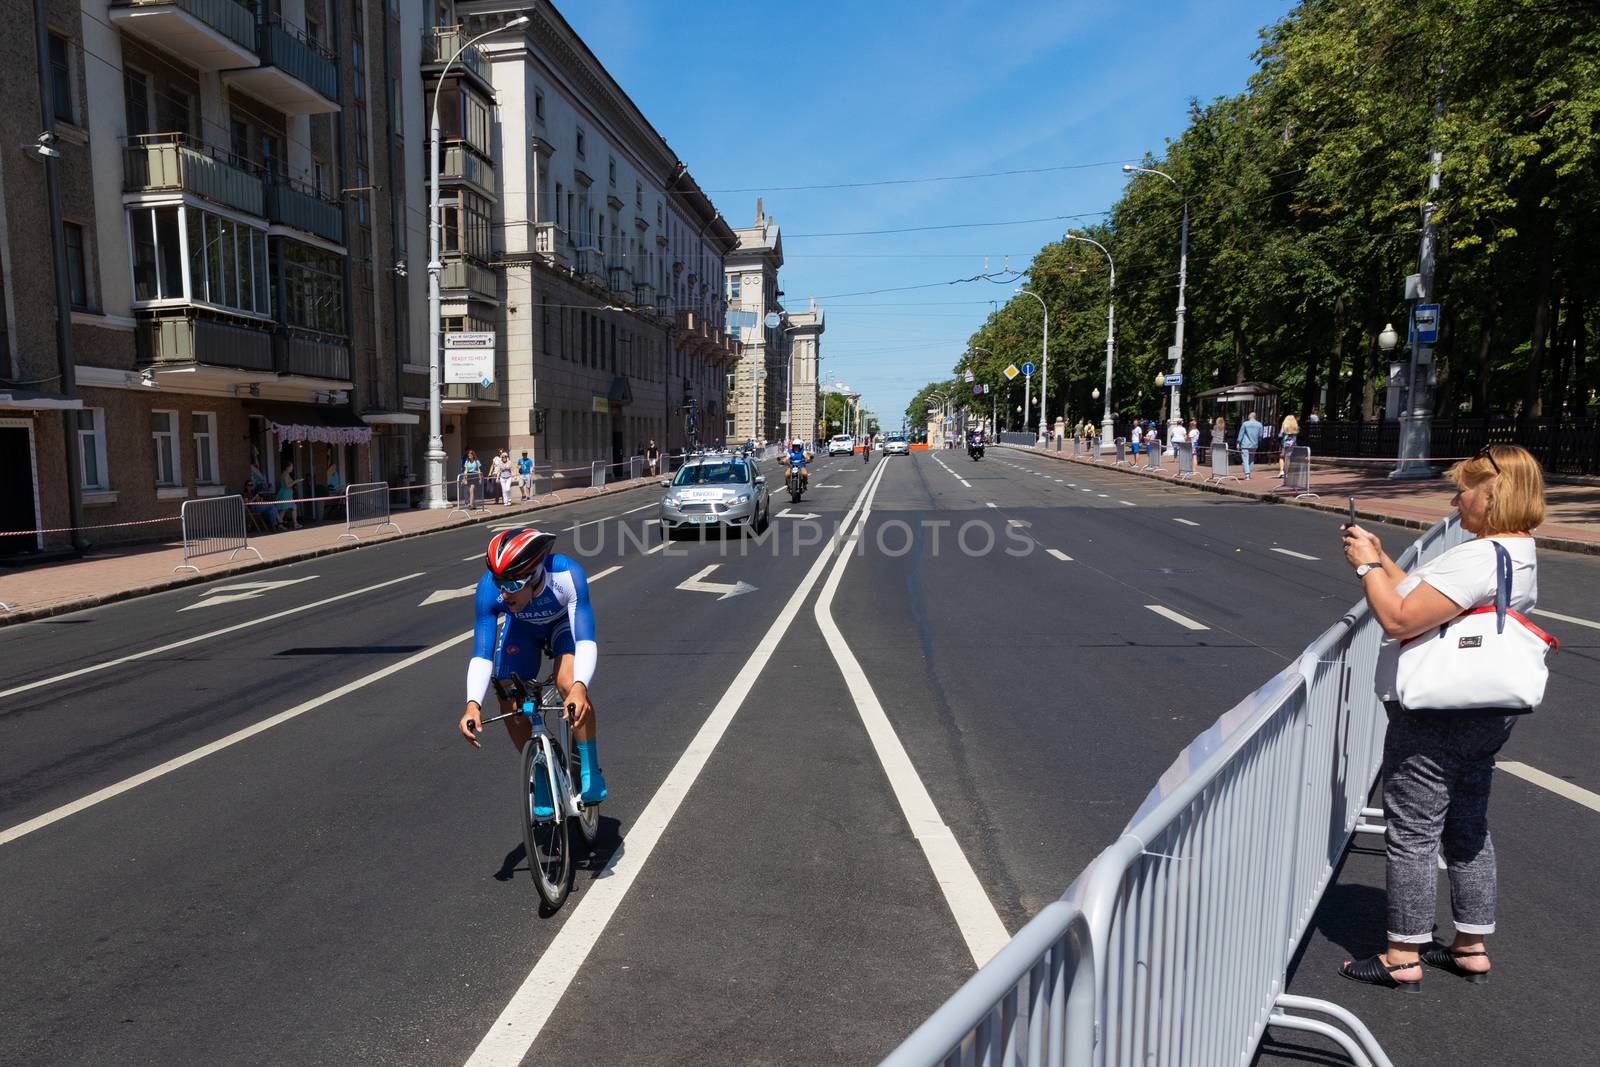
975 449
795 482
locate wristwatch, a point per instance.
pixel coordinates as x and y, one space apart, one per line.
1361 571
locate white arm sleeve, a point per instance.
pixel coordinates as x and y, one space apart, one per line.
478 672
584 656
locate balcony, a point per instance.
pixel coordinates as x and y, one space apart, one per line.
664 307
311 355
195 338
621 282
292 204
461 165
588 265
644 294
162 162
442 43
208 34
465 274
469 393
550 244
688 322
297 75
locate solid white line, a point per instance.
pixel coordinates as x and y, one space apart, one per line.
530 1007
974 913
1555 615
1186 522
57 814
1058 554
635 511
1559 786
1296 555
601 574
1181 620
201 637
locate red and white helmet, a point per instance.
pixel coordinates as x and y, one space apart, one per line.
517 555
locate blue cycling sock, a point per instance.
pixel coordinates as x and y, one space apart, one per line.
593 783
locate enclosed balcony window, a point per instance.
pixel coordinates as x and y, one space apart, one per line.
182 254
311 287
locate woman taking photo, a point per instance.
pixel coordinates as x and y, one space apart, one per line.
1437 763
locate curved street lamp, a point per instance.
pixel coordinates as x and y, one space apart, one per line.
435 454
1183 276
1044 359
1107 427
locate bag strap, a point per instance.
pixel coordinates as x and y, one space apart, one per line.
1502 592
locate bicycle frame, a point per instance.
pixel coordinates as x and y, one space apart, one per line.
549 699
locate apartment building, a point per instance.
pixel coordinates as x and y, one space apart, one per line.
584 243
231 214
755 387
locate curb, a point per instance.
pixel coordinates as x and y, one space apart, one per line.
176 581
1559 544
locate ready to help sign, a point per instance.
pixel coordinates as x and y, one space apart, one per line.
469 358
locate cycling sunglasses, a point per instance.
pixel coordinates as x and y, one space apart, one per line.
513 585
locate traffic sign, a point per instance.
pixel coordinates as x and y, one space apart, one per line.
977 390
1425 321
967 376
1012 372
1173 379
1027 368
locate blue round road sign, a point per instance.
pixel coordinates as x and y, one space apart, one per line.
1027 368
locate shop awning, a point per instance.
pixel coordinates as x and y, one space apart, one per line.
325 424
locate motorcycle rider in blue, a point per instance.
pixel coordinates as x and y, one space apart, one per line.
796 457
530 598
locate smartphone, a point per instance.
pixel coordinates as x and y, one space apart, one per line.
1352 519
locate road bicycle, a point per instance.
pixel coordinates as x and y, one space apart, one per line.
550 769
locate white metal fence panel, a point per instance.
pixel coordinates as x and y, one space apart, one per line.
215 524
366 506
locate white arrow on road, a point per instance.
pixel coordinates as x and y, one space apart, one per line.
242 591
697 584
439 596
787 514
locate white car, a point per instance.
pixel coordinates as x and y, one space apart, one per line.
896 445
841 444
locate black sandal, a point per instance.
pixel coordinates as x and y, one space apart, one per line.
1444 958
1373 971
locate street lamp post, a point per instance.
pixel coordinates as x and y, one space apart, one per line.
435 454
1044 359
1107 426
1174 416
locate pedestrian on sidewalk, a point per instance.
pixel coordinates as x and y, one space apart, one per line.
1194 436
525 475
287 516
652 456
1438 763
1250 433
1288 434
472 474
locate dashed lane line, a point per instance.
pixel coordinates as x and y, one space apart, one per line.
597 575
1296 555
1058 554
1186 522
653 551
988 503
1181 620
1130 503
1560 786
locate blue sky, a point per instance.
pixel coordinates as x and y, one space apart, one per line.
757 96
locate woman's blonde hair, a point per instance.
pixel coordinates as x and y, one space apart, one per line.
1518 502
1291 424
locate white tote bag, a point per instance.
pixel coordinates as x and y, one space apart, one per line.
1486 657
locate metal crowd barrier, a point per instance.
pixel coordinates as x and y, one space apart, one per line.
1185 459
215 524
1297 472
597 474
1190 919
1152 459
1122 451
1077 446
1219 465
469 494
366 504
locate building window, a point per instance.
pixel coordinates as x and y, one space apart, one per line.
538 106
227 261
203 426
163 433
733 289
658 214
92 448
136 101
579 142
77 264
61 78
638 196
310 287
466 218
611 171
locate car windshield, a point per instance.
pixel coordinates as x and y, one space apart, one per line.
728 473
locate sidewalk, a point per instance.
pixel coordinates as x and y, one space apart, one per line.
1572 511
119 573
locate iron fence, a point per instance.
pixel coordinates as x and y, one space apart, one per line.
215 524
1561 445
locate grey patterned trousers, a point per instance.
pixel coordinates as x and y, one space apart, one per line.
1436 773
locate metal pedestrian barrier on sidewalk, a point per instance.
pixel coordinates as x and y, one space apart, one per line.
1185 459
1188 922
469 495
1297 472
597 474
1122 452
1219 465
215 524
366 506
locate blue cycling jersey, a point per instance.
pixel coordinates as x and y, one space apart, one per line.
797 458
559 614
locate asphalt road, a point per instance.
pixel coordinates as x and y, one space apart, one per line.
258 839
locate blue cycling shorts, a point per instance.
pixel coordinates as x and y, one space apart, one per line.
522 654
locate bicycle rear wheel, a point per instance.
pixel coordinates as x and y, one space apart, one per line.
549 846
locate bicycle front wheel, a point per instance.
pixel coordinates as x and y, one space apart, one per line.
588 819
544 827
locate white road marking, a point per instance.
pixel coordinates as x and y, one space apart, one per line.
1024 523
1292 552
595 577
963 481
1559 786
696 583
1088 491
1130 503
974 913
1186 522
787 514
469 559
1102 496
439 596
986 503
653 551
202 637
1058 554
242 591
530 1007
1181 620
57 814
635 511
1549 615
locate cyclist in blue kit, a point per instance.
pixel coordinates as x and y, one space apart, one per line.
531 597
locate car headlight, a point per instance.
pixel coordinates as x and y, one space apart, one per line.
741 498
